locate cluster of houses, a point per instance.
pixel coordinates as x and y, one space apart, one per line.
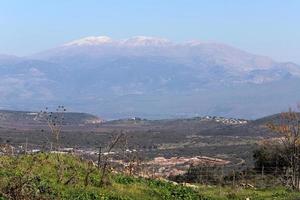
224 120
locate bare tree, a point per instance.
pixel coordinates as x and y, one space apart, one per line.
289 129
55 121
104 165
89 171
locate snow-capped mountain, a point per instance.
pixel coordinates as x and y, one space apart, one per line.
90 41
191 54
105 40
151 77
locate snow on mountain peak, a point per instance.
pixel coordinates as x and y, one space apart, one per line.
145 41
91 40
133 41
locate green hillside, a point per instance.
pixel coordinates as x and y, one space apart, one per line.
36 177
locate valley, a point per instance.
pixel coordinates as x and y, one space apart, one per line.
189 141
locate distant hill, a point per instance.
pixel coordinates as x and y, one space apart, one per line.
206 125
24 118
276 118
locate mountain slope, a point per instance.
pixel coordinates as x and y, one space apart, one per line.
150 77
198 57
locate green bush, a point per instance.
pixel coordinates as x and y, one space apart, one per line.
121 179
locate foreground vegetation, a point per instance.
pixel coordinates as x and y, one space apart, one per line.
66 176
40 176
36 177
229 193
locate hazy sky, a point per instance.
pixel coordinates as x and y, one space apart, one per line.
266 27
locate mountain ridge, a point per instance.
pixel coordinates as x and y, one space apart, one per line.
232 59
156 78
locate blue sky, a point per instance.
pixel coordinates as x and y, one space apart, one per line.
266 27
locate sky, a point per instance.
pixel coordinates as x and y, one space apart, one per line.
264 27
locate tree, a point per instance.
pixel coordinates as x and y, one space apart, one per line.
55 121
105 162
271 158
288 127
